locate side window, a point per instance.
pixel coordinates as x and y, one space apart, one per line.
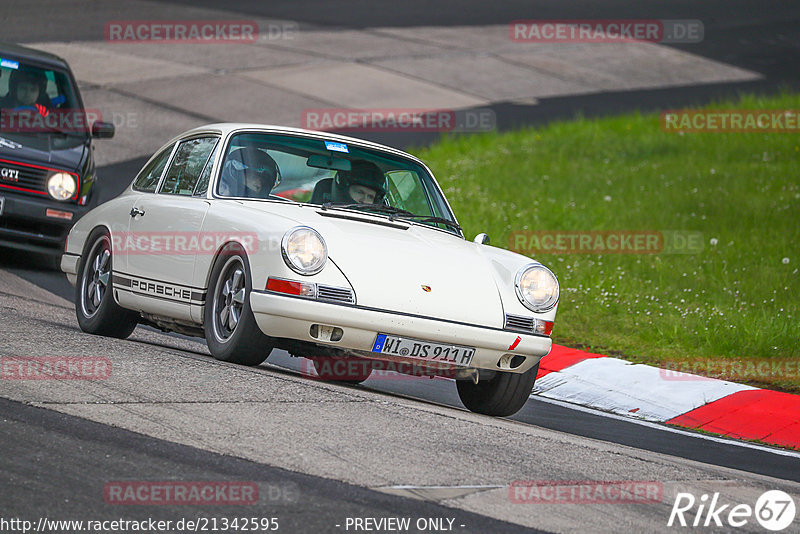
205 176
189 161
148 178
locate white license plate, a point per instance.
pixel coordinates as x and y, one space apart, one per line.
423 350
2 204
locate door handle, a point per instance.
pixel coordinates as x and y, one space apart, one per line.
136 211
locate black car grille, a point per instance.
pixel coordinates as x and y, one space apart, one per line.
29 179
335 294
519 323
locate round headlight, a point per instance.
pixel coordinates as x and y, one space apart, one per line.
304 250
537 287
61 186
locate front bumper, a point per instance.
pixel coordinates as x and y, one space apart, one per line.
24 223
291 317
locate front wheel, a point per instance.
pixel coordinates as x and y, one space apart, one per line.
94 302
230 327
503 395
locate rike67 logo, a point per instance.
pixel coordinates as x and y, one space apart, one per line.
774 510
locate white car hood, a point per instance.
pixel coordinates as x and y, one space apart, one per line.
390 267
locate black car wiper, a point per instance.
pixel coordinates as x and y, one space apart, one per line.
394 212
379 208
431 219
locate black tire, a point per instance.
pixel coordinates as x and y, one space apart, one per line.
230 327
503 395
95 307
343 370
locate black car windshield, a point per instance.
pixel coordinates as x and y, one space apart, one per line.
39 107
333 175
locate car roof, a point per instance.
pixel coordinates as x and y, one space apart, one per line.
25 54
226 128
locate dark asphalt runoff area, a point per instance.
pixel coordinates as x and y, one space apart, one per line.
57 466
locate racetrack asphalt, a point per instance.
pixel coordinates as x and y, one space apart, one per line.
168 388
92 437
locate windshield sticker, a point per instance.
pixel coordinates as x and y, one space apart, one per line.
9 144
9 64
338 147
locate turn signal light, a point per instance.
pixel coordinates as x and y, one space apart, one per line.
289 287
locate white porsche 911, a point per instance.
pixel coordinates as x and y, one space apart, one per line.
332 248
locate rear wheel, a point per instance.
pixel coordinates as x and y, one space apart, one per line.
504 394
230 327
94 300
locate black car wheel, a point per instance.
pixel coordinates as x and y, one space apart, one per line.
94 302
502 395
230 327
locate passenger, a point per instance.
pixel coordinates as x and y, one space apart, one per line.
249 172
362 184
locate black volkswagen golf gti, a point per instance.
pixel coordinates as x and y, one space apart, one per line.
47 171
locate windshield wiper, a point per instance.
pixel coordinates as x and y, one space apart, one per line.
431 219
380 208
394 212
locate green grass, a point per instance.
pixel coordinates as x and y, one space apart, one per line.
736 301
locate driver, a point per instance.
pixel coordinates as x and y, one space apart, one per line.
26 89
249 172
362 184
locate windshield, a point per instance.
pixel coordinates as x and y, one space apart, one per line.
333 175
39 108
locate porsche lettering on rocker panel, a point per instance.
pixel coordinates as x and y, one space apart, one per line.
154 288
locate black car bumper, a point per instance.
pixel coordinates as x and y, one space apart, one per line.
25 223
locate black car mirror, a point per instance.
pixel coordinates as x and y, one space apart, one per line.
102 130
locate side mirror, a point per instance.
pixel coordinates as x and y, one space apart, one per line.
102 130
482 239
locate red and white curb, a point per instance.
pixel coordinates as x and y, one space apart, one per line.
679 399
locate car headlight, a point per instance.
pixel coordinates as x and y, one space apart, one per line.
537 287
304 250
61 186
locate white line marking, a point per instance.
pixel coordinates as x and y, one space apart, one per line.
492 486
664 427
